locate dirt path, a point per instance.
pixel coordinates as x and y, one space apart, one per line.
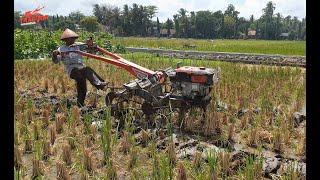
270 59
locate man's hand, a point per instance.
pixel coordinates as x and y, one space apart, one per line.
89 42
55 53
92 47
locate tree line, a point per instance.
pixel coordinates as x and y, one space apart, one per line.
137 20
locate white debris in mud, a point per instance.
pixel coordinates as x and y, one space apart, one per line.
271 165
98 124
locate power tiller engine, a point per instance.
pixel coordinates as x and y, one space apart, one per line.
182 88
194 83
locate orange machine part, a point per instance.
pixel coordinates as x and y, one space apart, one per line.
198 79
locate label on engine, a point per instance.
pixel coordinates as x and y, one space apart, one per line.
198 79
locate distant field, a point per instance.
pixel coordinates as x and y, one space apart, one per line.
242 46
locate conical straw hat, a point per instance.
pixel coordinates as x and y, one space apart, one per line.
68 34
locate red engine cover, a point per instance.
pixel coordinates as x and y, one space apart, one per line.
192 70
196 74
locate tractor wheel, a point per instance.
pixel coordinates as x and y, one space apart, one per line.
117 105
109 98
147 109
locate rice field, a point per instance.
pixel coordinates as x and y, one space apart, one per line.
217 45
250 118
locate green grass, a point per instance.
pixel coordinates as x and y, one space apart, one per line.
241 46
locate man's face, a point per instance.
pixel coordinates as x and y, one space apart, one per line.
69 41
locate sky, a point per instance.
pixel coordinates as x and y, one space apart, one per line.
167 8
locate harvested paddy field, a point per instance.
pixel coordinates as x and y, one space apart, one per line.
255 127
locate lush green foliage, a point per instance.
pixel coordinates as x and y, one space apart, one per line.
135 20
29 44
227 24
32 44
90 23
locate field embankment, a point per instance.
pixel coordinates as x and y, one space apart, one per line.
247 58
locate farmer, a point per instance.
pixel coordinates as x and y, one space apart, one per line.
74 66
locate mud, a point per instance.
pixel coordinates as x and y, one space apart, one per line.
186 144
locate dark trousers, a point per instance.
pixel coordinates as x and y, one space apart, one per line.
81 76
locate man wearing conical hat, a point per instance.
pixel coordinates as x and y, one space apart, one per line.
74 66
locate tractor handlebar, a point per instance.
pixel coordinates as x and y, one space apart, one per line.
134 69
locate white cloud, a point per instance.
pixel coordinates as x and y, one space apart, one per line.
284 7
167 8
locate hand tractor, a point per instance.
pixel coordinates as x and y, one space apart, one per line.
179 89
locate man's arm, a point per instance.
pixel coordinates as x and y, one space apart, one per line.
56 56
